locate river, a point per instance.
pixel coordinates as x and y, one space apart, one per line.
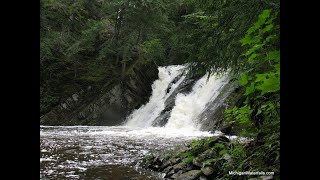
115 152
98 152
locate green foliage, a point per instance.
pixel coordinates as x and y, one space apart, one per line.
260 73
188 159
241 115
154 50
198 146
214 28
47 100
220 148
86 43
238 151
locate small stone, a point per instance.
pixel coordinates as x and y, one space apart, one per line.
202 177
190 175
207 170
64 105
75 97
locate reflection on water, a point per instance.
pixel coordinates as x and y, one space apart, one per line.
96 152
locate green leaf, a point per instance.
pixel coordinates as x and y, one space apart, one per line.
266 29
246 40
249 90
274 55
265 14
252 56
254 48
268 83
244 79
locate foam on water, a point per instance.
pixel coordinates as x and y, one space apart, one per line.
146 114
189 106
68 149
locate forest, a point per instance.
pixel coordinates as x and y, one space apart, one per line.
95 42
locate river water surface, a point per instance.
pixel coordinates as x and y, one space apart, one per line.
99 152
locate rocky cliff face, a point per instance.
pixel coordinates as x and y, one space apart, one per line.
108 105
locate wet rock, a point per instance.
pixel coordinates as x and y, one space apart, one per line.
167 169
197 162
210 153
202 177
179 166
174 176
169 174
184 87
223 139
207 170
190 175
213 115
165 165
175 160
226 129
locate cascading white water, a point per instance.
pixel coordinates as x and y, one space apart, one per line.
187 106
146 114
69 152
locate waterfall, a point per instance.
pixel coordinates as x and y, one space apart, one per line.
161 90
187 107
